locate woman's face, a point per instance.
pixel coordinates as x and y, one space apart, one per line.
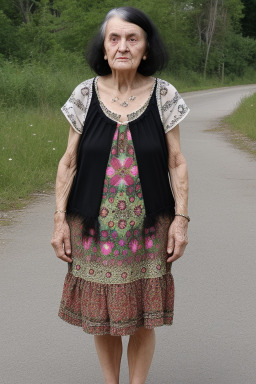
125 45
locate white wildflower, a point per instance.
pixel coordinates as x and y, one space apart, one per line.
10 159
53 149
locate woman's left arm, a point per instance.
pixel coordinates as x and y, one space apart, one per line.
177 234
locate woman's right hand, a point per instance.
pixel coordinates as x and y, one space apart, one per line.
61 238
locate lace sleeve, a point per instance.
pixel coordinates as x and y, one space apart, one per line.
172 107
76 107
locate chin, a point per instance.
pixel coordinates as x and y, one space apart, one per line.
122 67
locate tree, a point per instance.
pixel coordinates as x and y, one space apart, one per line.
210 29
249 20
214 19
26 8
8 34
201 35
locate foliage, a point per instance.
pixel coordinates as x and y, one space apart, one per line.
244 118
239 53
249 20
40 84
8 35
197 32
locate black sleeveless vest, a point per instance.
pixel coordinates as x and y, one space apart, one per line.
93 153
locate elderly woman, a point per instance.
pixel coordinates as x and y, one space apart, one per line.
119 222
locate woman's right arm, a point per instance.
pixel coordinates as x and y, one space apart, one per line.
65 175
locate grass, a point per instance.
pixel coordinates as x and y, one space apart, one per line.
34 131
32 128
239 128
243 119
32 144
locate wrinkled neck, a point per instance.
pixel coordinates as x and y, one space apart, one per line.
124 82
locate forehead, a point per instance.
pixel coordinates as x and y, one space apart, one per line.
116 25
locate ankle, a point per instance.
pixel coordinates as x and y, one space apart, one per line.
111 381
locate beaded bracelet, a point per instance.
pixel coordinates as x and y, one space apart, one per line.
59 211
186 217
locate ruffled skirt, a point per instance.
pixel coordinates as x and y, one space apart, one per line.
117 309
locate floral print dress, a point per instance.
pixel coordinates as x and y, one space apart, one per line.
121 282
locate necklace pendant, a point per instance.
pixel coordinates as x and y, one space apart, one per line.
124 103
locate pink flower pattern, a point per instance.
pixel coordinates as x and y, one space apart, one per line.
121 214
133 245
148 243
106 247
122 171
87 243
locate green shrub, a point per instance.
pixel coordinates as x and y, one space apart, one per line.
34 84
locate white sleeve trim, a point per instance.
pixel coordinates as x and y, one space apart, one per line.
167 129
172 108
76 107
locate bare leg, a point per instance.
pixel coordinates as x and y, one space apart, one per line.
140 353
109 349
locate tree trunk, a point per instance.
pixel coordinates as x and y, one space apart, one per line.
222 72
24 7
210 31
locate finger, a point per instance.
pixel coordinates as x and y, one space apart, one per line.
67 245
173 258
177 253
170 244
66 259
60 253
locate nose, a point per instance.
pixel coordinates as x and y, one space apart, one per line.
122 45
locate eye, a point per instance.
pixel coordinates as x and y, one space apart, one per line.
114 39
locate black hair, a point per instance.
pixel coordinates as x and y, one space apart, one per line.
157 57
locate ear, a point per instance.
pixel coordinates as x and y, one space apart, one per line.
144 57
104 53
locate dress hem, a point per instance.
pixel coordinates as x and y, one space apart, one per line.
117 309
126 330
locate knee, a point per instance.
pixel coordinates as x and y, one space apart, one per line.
143 333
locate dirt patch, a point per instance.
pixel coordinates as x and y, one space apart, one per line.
239 140
10 217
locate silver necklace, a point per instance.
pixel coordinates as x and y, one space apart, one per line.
124 103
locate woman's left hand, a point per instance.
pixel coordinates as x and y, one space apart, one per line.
177 238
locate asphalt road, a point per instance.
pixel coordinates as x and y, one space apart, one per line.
213 338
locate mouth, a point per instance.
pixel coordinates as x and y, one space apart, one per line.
122 58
